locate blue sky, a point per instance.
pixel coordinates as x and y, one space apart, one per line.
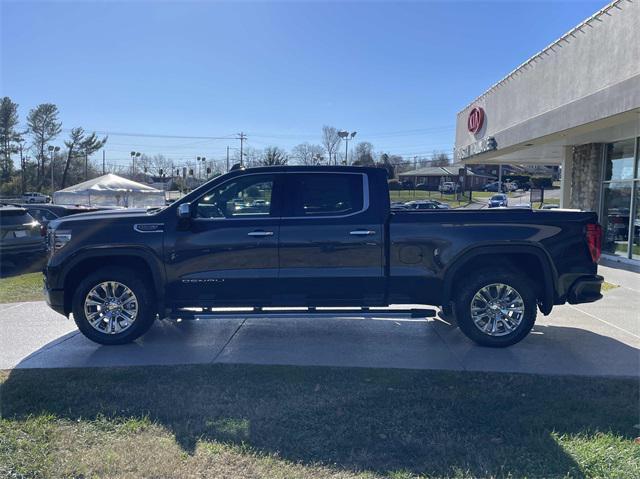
395 72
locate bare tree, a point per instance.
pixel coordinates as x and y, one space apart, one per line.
308 154
385 162
43 126
364 154
80 144
439 158
400 165
153 165
331 141
274 156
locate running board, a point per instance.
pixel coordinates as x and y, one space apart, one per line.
212 313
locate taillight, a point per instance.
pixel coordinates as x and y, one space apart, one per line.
594 240
43 230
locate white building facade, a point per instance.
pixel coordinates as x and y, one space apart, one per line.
575 104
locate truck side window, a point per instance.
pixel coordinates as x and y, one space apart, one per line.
327 194
246 196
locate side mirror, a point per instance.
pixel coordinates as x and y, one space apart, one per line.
184 211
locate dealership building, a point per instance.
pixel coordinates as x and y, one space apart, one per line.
575 104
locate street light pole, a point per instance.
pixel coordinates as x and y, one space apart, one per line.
134 155
346 136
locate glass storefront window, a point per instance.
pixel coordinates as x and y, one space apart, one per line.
621 200
617 204
635 243
620 160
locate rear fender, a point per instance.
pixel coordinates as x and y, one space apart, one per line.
546 264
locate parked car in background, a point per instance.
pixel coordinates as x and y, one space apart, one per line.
448 187
398 205
498 200
46 212
442 206
31 197
511 186
493 186
425 205
550 207
423 187
20 240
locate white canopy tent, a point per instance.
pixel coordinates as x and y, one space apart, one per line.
110 190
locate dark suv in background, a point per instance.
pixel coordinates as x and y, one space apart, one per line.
21 242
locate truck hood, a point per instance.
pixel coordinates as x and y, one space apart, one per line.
103 215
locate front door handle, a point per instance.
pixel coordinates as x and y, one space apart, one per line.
260 233
362 232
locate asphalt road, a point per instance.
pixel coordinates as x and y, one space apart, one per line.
599 339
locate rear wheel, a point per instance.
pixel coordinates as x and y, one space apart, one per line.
113 306
496 307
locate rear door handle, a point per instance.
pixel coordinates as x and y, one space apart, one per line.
260 233
362 232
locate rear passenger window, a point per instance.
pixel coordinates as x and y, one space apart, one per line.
327 194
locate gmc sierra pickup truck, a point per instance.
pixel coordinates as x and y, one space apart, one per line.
313 237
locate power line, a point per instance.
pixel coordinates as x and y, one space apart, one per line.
155 135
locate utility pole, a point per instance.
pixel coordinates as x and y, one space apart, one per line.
103 172
52 153
242 137
227 159
86 166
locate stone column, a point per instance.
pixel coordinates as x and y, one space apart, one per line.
586 176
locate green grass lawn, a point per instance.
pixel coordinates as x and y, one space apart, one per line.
311 422
25 287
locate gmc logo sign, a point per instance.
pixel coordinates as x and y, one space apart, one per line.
475 120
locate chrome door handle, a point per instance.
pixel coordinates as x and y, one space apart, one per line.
260 233
362 232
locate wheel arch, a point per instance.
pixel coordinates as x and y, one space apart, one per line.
514 256
132 258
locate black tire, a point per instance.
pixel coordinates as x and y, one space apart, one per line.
145 301
478 280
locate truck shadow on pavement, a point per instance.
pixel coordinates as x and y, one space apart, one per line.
356 419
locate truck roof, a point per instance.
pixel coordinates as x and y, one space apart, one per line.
322 168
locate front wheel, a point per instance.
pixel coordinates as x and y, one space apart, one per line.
113 306
496 307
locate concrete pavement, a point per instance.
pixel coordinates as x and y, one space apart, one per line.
600 339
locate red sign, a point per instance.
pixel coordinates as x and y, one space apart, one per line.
475 120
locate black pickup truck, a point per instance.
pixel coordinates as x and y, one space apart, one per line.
313 237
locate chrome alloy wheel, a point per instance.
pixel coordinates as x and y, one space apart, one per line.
497 309
111 307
